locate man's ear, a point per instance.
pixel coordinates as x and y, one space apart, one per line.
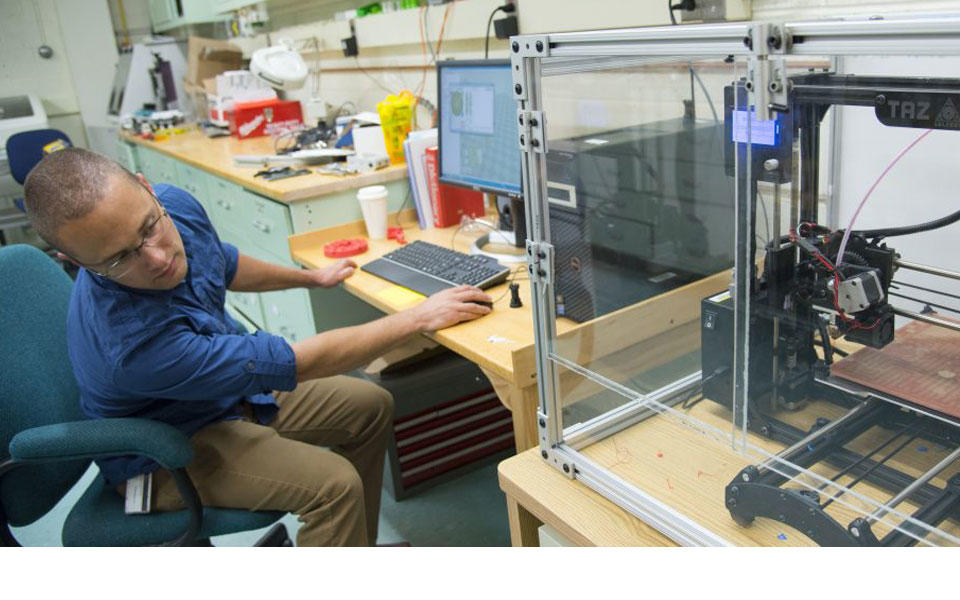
145 183
63 257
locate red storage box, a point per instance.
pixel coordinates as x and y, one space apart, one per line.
265 117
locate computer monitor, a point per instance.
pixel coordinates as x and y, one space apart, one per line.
477 129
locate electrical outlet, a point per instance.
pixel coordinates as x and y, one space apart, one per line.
708 11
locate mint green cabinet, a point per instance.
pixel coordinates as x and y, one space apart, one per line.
223 200
126 155
249 304
240 318
264 222
288 313
228 5
157 168
196 182
167 14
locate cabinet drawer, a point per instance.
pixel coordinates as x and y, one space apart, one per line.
148 165
287 313
248 304
194 181
157 168
247 324
265 223
224 201
127 155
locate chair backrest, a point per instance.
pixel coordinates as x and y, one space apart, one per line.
25 150
37 386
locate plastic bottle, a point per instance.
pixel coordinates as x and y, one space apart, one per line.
396 118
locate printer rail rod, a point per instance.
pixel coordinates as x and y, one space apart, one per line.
905 492
926 318
927 269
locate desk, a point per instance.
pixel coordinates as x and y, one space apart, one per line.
501 343
539 494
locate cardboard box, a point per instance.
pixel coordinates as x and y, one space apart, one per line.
253 119
207 58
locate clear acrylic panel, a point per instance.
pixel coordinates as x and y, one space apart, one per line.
640 204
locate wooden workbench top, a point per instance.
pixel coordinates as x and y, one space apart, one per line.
501 342
215 155
688 469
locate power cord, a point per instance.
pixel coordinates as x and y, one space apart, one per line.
682 5
507 9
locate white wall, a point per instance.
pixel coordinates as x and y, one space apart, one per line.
86 31
815 9
24 26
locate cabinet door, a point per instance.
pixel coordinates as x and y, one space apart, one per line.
248 304
162 13
149 165
127 153
265 223
288 313
227 5
194 181
224 199
244 321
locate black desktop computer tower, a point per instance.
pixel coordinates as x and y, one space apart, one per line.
637 211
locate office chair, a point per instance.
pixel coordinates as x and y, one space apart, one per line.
51 445
24 151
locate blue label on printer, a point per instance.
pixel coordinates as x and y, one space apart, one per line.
765 133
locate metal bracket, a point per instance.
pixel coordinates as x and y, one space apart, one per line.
518 70
558 460
523 127
540 262
767 77
538 140
530 46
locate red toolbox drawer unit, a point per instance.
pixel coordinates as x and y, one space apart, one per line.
265 117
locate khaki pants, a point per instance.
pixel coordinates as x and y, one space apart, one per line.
281 466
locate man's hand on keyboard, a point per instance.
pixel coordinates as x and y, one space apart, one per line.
449 307
331 275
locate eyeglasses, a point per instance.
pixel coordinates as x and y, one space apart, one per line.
124 263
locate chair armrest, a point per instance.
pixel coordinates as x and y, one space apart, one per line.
104 437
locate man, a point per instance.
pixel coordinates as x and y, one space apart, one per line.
148 337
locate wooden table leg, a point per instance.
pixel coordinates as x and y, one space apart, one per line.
523 525
523 403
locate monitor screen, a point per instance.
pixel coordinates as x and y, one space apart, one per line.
478 126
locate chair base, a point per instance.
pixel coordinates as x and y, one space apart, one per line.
276 536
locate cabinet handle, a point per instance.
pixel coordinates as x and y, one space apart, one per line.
264 227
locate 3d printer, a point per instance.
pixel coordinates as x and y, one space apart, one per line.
816 394
817 284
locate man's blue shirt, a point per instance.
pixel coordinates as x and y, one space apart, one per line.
172 355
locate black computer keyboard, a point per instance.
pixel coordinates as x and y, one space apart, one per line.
427 268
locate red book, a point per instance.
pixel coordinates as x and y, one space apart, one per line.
449 202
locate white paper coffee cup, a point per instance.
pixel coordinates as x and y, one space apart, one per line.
373 205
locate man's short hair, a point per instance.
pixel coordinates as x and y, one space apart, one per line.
66 185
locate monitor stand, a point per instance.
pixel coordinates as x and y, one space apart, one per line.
503 238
